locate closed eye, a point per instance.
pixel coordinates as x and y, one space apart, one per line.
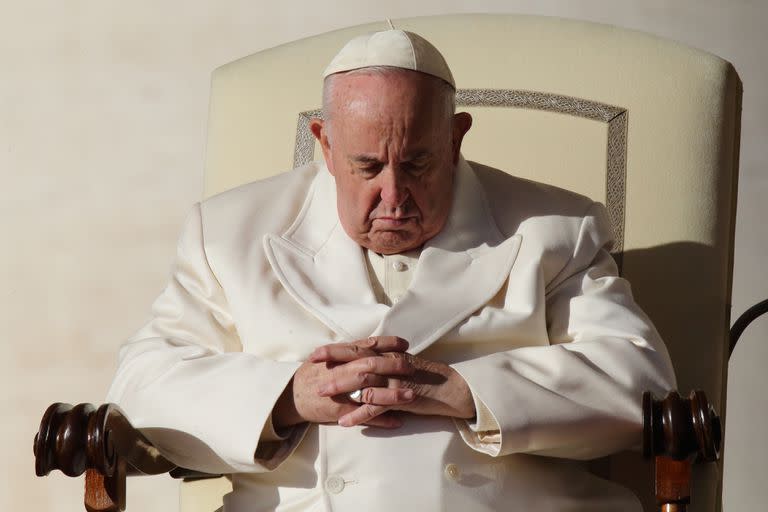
370 170
415 167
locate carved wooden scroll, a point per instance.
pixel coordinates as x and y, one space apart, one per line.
101 443
678 432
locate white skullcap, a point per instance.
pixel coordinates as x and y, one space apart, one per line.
396 48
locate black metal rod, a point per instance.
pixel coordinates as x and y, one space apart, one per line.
744 320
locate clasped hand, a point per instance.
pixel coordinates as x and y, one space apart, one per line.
391 380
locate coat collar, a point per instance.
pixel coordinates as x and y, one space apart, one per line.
459 270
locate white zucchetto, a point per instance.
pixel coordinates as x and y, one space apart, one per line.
396 48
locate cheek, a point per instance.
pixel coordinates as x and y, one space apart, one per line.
436 199
434 195
430 204
355 204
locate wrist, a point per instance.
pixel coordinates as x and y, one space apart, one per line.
285 414
464 402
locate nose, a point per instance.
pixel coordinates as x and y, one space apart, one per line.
394 191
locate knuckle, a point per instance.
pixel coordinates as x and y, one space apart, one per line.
368 395
401 362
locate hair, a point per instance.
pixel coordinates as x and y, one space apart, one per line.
442 87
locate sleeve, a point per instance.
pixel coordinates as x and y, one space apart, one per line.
185 382
579 397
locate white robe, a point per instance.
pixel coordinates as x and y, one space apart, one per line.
517 293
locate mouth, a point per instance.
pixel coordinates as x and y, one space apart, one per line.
392 222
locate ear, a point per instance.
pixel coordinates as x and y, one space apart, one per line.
320 131
462 122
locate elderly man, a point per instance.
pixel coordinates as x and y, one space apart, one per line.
397 328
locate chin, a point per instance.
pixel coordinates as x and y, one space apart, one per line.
393 242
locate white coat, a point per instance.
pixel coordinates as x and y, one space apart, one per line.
517 293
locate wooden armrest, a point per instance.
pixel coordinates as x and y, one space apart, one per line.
677 433
103 444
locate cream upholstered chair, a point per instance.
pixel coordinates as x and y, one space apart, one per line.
648 126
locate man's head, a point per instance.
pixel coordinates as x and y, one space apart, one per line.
391 140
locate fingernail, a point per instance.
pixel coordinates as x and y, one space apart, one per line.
322 390
371 341
408 394
344 422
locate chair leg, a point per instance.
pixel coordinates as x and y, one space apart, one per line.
673 483
105 493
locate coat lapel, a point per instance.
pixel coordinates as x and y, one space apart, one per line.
322 268
459 270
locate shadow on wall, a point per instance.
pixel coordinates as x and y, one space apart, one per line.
685 292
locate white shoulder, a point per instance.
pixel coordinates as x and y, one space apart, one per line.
515 201
267 205
558 227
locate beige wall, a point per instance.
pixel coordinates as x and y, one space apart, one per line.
102 122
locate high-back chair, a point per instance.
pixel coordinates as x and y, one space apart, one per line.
648 126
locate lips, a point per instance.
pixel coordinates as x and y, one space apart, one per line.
392 222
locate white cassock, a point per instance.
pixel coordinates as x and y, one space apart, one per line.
517 293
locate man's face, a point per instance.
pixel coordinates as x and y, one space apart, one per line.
392 147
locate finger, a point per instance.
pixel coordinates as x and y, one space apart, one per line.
363 414
387 396
342 352
388 419
345 352
391 363
366 372
389 344
346 382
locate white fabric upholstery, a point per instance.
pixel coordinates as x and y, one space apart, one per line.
682 109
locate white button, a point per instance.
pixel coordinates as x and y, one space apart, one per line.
396 299
400 266
334 484
452 471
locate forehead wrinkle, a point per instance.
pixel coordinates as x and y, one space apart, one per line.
402 131
395 143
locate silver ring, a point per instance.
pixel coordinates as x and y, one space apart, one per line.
356 396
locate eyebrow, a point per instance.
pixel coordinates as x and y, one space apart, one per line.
369 159
365 159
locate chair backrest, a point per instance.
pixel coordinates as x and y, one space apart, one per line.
648 126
